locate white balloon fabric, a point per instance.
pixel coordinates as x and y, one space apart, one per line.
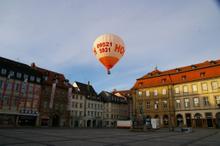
108 49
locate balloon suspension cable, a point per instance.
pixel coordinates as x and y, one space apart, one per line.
108 72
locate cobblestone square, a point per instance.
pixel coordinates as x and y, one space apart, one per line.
106 137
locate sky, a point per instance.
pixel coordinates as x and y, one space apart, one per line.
58 35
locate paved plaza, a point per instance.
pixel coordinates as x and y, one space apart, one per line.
106 137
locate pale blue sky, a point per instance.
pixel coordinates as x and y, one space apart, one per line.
58 35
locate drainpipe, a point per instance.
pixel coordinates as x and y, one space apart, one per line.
170 97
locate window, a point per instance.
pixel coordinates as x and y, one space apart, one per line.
32 78
184 78
3 71
81 105
204 87
9 86
163 80
140 84
193 66
45 78
156 105
186 103
1 84
31 88
206 101
147 93
98 106
202 74
76 105
217 99
196 101
148 105
38 80
178 105
177 70
25 76
165 104
45 104
177 90
139 93
12 73
155 93
61 107
214 85
18 75
17 86
185 89
164 91
194 88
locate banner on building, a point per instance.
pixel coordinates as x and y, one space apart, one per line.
24 87
69 98
52 95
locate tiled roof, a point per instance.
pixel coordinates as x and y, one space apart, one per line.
110 97
52 77
124 93
205 70
86 89
17 67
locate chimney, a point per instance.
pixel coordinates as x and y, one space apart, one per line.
88 88
33 65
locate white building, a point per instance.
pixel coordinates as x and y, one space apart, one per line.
87 107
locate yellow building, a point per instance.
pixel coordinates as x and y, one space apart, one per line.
185 96
152 98
197 102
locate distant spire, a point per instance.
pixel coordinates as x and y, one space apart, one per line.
155 67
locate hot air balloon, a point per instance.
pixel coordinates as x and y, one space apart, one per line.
108 49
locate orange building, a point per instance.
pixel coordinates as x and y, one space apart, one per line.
184 96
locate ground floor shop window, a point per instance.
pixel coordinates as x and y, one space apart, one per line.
218 120
179 120
198 120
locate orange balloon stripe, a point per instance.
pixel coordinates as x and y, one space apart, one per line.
108 62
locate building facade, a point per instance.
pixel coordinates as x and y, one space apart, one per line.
54 99
87 107
114 108
77 111
197 100
20 90
153 102
127 95
185 96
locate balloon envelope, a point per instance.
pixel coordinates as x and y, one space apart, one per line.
108 49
